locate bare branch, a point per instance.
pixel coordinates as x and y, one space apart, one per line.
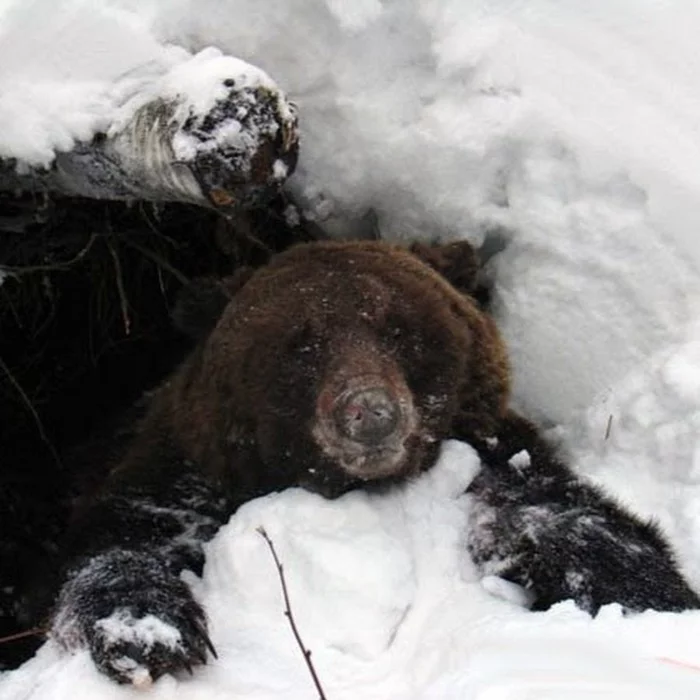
53 267
34 632
288 612
123 302
159 260
32 410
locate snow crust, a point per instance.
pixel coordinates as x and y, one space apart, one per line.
564 137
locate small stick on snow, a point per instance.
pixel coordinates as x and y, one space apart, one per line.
288 612
34 632
608 427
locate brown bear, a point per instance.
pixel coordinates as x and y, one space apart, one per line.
338 365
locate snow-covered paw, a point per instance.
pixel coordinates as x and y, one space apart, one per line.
138 650
137 618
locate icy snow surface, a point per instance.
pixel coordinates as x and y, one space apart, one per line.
565 136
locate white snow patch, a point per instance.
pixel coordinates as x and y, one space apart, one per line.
355 15
202 78
279 170
682 373
65 71
520 460
139 676
121 626
507 590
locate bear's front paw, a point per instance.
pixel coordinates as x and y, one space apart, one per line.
138 619
137 650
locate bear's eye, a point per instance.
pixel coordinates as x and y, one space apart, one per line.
303 342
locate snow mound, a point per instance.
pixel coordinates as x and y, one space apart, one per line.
386 599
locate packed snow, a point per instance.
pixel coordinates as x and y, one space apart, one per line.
561 136
391 607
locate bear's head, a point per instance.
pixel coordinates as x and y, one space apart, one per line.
338 364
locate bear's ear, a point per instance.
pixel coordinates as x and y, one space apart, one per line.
201 303
457 262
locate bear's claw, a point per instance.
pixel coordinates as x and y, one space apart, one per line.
138 619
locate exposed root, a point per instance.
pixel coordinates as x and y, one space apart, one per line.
30 407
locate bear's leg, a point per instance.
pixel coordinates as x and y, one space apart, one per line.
122 597
532 521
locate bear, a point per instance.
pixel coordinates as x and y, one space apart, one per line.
338 365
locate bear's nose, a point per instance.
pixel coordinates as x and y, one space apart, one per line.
367 416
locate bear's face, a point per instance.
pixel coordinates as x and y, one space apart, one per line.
340 364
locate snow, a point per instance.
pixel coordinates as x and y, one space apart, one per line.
64 72
520 460
390 606
122 626
563 136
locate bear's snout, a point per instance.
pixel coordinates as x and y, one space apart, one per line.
367 416
364 422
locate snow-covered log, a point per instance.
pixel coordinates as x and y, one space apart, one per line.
214 130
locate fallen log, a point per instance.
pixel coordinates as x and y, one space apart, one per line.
214 131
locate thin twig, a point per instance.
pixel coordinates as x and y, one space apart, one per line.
54 267
173 244
238 225
33 411
158 260
123 303
288 612
34 632
608 428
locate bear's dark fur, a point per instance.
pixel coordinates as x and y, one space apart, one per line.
532 521
336 366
